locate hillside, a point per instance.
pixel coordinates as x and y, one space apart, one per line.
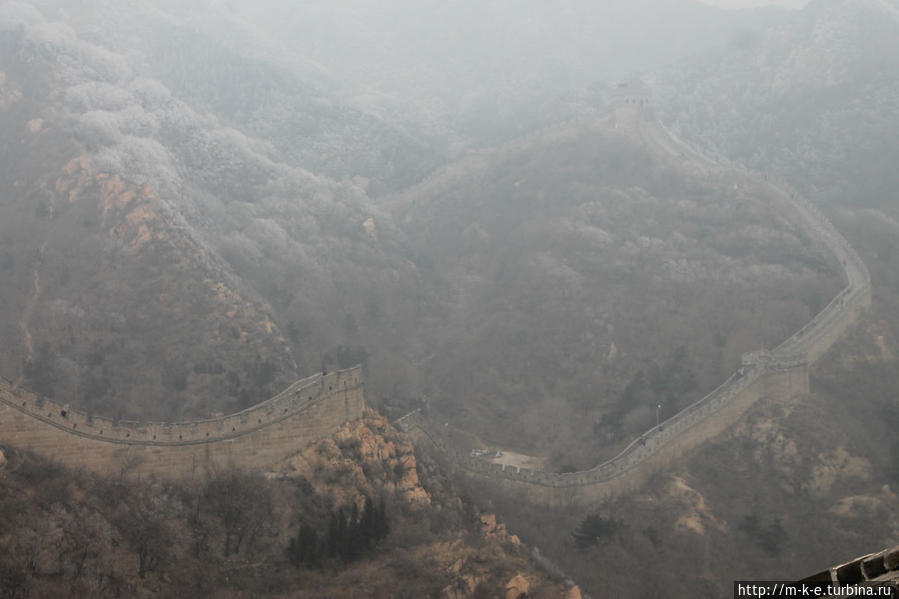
586 275
811 481
779 496
134 227
347 517
201 202
100 274
142 229
813 99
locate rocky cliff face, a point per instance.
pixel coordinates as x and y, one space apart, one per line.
370 456
470 552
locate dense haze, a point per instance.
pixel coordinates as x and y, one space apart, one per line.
203 201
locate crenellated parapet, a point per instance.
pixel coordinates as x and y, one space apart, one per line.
781 372
304 412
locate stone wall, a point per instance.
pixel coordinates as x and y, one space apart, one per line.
652 451
874 568
780 373
255 438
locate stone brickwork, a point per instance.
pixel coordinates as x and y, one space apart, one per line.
781 372
256 438
874 568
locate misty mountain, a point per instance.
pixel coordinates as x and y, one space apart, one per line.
520 268
583 270
480 73
202 201
386 90
301 116
814 99
182 198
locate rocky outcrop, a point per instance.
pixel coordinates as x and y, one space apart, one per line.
518 587
573 593
497 530
364 458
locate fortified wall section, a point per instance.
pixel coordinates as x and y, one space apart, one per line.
782 372
816 337
258 437
656 448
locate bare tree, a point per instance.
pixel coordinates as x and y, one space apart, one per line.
243 504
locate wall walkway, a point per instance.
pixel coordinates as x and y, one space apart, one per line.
258 437
781 372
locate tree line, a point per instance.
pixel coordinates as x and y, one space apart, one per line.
348 538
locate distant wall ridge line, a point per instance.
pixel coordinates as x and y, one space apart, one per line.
781 370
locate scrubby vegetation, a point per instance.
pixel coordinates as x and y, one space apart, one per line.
354 525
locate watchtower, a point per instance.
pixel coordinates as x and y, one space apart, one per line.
632 93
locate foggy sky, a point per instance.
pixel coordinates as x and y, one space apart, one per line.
756 3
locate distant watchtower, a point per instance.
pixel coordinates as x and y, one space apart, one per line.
632 93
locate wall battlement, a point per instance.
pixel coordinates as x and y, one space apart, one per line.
781 372
258 437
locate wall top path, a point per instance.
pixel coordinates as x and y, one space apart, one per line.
794 352
299 396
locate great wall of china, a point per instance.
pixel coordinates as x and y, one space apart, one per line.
256 438
310 409
781 372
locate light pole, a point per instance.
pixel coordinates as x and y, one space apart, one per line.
658 412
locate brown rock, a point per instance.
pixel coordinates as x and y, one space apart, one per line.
456 568
488 523
573 593
517 587
496 530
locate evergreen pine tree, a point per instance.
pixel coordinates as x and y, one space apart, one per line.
342 536
382 526
368 524
332 543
